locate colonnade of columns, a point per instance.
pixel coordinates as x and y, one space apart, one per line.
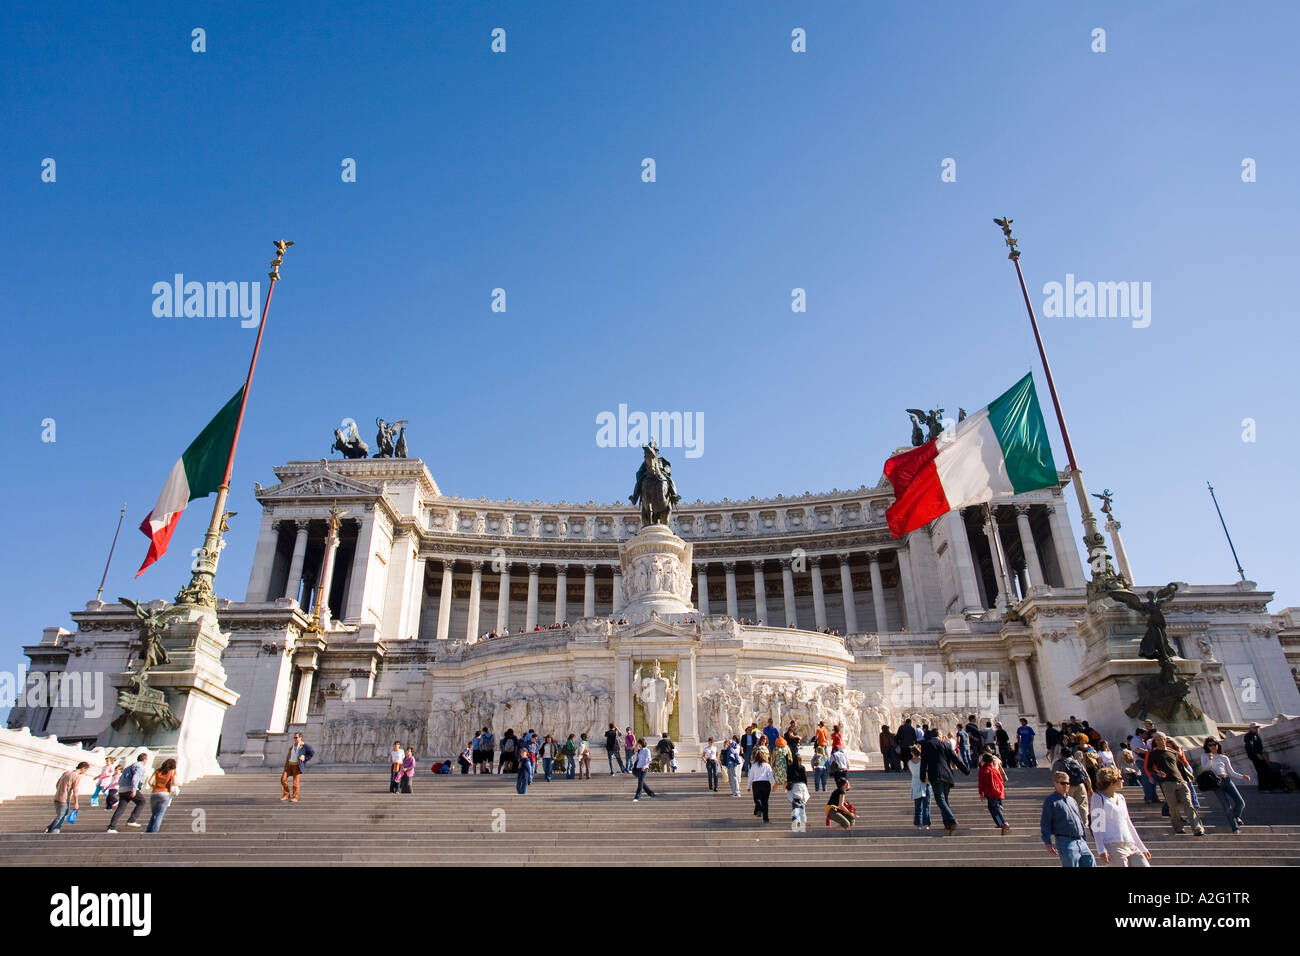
535 614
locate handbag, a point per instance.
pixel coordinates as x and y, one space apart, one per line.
1207 780
71 817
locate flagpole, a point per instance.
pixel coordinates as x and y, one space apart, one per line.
1103 572
113 547
199 590
1225 530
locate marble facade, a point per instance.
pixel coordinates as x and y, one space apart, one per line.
737 596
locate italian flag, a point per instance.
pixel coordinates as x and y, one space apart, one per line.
999 452
196 474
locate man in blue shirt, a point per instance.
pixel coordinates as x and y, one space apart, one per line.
771 733
1063 823
128 792
1026 735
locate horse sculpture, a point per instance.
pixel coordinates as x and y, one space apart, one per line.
654 487
350 444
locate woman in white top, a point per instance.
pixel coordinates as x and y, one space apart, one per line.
921 792
1104 755
1215 761
760 783
1111 826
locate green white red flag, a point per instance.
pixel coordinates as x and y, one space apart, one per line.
999 452
196 474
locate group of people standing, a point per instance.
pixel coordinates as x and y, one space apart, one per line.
969 741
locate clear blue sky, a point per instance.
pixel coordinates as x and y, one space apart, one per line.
775 170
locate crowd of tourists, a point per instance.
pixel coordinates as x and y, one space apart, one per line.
765 759
1087 776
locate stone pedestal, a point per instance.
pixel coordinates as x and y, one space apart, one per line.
656 566
194 684
1111 674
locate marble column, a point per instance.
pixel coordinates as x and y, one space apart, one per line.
907 588
1028 702
687 723
561 593
328 560
303 701
417 599
618 589
1121 556
475 594
356 584
534 570
819 595
846 591
623 693
1005 598
733 609
589 590
294 584
1033 567
262 574
760 593
444 602
878 593
1067 553
787 593
503 599
702 588
968 594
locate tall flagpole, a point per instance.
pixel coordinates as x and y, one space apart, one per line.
113 547
1225 530
1103 572
199 590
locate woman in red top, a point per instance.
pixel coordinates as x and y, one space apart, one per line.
837 739
992 787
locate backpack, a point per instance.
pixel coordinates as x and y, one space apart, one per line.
568 747
508 745
1075 772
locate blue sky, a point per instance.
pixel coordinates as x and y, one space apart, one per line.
775 170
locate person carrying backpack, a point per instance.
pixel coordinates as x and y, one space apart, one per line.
570 757
611 750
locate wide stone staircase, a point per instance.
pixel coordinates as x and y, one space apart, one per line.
348 817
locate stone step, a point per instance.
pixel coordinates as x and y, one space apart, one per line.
350 819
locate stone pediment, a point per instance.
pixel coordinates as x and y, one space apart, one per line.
321 483
657 626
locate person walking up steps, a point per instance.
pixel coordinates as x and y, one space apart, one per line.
797 786
992 787
629 747
129 786
922 794
937 761
734 759
760 783
611 750
641 767
163 785
819 769
65 796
